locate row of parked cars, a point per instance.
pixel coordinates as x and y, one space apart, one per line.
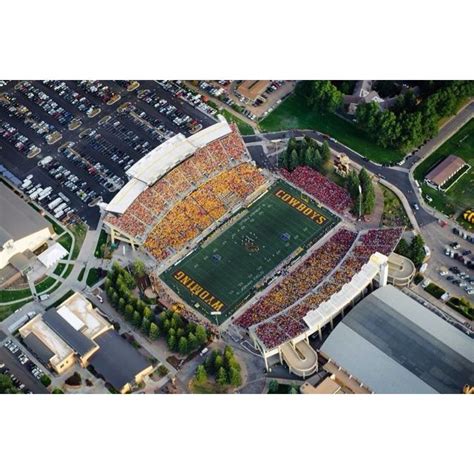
19 141
100 90
24 360
47 131
123 133
76 99
459 278
45 102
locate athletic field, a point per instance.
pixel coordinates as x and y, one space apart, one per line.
223 272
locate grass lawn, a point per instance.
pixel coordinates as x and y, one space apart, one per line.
207 387
68 271
294 113
92 277
81 274
66 242
13 295
6 310
244 127
99 250
59 268
79 231
232 266
461 195
394 214
45 284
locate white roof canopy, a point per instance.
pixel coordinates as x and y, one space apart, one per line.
124 198
52 255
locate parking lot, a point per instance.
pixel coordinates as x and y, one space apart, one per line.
24 373
69 143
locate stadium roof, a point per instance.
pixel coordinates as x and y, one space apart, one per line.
124 198
116 360
17 219
392 344
166 156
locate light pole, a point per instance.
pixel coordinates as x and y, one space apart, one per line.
360 201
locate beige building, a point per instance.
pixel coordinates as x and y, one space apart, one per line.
401 270
22 229
251 90
75 332
445 170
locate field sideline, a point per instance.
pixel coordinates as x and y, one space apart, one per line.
223 274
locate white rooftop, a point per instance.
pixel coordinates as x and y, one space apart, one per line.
52 255
124 198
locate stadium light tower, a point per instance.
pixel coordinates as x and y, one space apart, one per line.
360 201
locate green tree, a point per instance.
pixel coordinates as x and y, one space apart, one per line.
128 311
283 161
192 342
147 312
273 386
171 342
201 334
352 184
121 305
294 160
368 201
323 95
145 325
6 385
137 319
309 157
154 331
221 377
325 152
107 283
218 362
138 268
129 280
403 248
201 374
317 161
364 179
417 250
183 345
235 378
114 299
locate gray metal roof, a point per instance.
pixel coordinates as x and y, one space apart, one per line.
392 344
36 346
116 360
80 343
17 219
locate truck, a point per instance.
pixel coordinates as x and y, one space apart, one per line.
36 193
45 193
63 197
60 207
26 183
55 203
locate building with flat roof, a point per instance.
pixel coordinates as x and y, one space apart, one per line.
445 170
401 270
389 343
22 229
251 90
75 332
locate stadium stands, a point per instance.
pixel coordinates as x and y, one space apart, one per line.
324 190
301 295
212 159
197 211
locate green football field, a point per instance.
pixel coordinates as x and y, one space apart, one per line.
220 275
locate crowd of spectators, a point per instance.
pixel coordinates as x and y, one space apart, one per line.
303 279
197 211
290 324
180 181
324 190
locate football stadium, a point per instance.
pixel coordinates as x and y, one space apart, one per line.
228 268
275 256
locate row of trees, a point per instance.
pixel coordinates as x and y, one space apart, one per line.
362 204
414 250
321 95
223 366
412 120
305 152
119 286
181 336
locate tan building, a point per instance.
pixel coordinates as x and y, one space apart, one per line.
251 90
22 229
445 170
401 270
75 332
